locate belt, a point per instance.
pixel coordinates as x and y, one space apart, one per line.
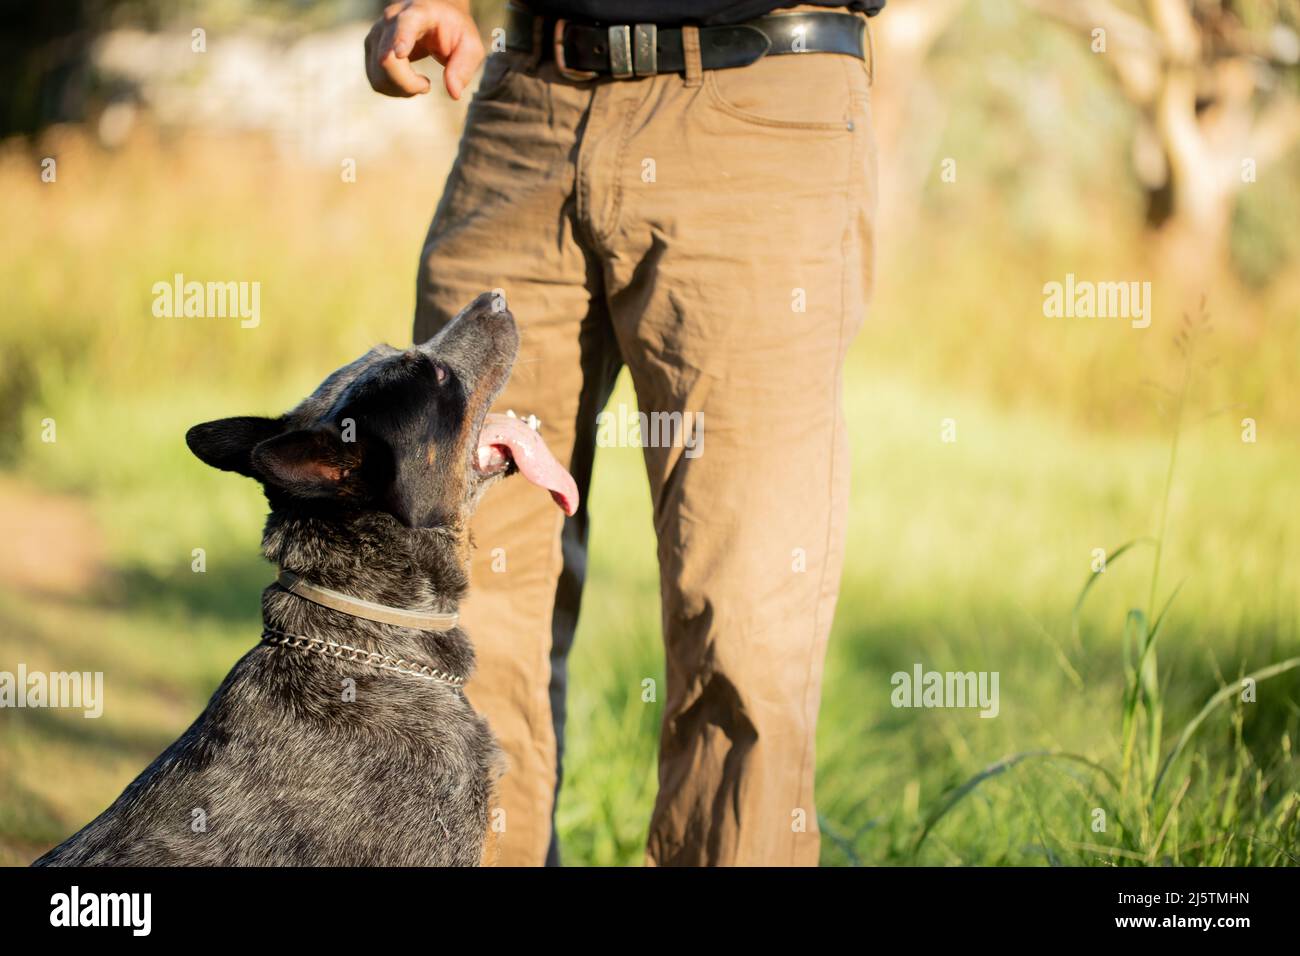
585 50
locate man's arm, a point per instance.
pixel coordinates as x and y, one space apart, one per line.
414 29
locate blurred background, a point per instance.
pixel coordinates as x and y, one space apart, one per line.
1021 141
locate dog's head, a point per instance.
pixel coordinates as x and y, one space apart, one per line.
401 431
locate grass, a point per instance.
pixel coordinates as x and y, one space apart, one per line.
1132 792
964 556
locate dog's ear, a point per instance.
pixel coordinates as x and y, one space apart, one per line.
228 443
311 463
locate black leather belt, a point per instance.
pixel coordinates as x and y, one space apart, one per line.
585 50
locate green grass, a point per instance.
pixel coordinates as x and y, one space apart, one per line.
962 556
970 557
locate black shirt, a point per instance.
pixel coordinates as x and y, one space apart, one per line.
665 12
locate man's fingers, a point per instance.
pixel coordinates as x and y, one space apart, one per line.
413 31
389 73
411 24
461 64
401 77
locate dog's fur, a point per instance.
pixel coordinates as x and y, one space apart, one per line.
281 768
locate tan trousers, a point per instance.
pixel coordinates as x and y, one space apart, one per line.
713 232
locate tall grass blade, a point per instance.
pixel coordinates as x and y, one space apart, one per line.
1223 694
1092 579
1135 645
1002 766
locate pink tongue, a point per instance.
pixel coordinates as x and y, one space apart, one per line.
533 459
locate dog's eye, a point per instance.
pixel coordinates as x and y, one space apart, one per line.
440 371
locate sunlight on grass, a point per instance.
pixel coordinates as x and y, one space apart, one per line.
962 556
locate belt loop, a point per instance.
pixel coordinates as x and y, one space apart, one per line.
869 51
691 52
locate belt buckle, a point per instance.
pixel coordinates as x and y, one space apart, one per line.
565 71
633 50
645 50
620 52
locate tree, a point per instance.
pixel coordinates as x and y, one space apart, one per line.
1214 86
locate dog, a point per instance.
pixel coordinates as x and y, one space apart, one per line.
345 737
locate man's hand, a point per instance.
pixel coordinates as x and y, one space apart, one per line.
414 29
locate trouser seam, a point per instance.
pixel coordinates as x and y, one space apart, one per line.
836 414
603 232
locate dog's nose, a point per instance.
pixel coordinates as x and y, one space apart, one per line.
488 308
485 304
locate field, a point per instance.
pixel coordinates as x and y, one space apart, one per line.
964 555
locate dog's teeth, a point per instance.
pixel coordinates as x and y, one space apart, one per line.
510 413
533 423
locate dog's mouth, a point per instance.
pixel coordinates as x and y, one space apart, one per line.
507 444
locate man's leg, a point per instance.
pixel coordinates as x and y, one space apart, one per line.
506 222
738 277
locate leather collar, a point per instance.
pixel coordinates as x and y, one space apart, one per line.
367 610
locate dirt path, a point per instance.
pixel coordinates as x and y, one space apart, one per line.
49 543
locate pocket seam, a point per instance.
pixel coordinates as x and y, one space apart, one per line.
725 105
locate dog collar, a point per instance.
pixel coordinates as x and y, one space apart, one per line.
347 652
369 610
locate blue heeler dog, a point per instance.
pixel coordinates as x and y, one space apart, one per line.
345 738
